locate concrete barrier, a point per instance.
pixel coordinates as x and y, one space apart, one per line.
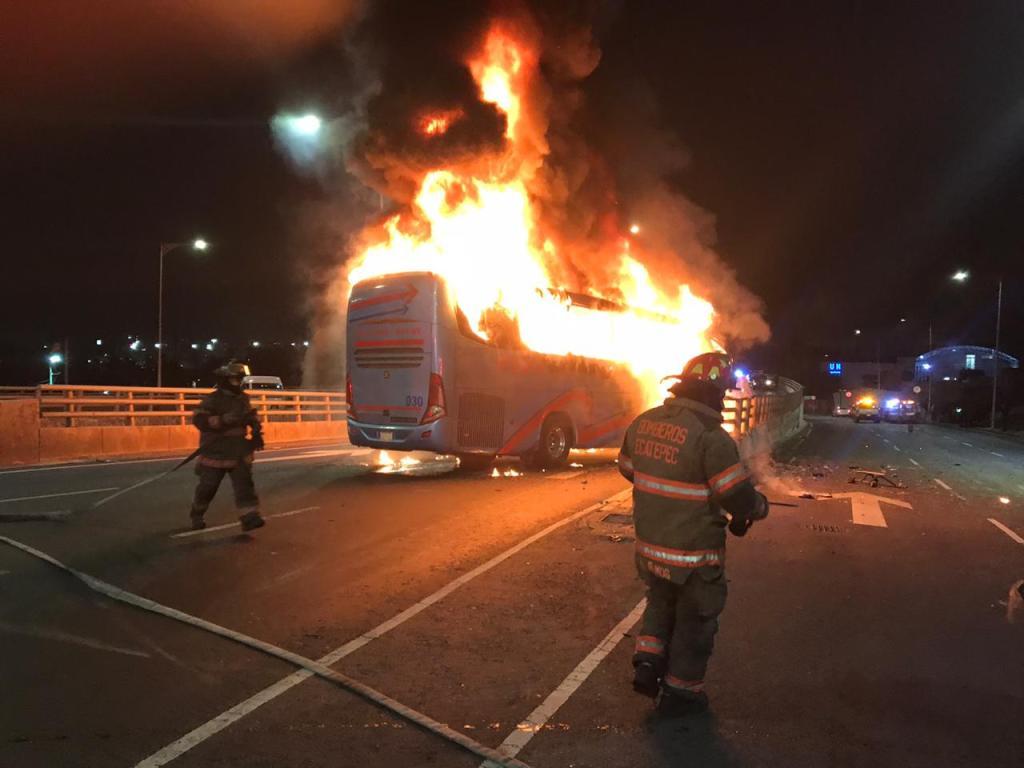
19 431
23 441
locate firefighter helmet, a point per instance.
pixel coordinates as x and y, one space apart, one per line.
232 370
712 367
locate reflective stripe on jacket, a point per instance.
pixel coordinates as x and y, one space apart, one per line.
682 464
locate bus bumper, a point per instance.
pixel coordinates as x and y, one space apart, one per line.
421 437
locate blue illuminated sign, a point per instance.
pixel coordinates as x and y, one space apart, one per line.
835 368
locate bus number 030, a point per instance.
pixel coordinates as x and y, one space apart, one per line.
416 400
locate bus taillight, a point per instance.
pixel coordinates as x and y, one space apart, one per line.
350 402
435 400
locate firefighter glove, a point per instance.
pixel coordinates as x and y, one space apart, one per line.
739 525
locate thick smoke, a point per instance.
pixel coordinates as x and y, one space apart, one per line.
594 154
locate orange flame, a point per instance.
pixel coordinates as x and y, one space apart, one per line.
438 123
479 229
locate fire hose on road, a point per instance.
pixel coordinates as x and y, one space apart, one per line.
320 670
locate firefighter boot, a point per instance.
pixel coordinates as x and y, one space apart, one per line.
646 679
198 523
251 521
682 703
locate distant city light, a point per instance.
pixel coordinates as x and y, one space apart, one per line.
903 319
255 343
1004 500
99 342
634 229
195 346
209 347
927 366
960 275
134 346
158 345
214 341
856 332
305 343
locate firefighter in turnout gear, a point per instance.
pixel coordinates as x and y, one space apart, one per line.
685 470
224 418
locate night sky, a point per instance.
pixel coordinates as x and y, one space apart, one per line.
853 155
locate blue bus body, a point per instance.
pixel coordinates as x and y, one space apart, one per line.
419 379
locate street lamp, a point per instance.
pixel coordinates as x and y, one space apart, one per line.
54 360
961 276
199 244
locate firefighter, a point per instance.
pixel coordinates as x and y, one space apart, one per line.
685 471
223 419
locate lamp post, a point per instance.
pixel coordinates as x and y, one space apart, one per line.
198 245
961 276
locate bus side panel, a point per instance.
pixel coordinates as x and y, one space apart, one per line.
597 399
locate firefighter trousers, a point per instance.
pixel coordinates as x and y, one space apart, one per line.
679 626
246 500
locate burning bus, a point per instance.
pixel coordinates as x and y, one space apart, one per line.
420 378
481 324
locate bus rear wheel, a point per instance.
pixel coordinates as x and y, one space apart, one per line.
555 443
475 462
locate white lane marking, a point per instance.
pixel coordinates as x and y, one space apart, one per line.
565 475
946 437
1012 534
897 448
56 495
885 440
528 728
994 453
237 524
967 444
939 482
866 507
64 637
344 681
317 455
97 464
210 728
914 463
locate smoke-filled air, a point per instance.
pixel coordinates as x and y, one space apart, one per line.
480 147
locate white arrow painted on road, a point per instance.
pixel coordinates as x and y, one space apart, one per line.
867 508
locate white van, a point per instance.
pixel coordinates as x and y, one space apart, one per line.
262 382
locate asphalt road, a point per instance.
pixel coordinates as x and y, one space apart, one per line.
856 633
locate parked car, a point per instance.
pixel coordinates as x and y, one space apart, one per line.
900 410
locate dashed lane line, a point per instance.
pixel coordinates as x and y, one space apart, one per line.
236 524
535 721
897 448
939 482
969 445
995 453
57 495
1009 532
916 464
203 732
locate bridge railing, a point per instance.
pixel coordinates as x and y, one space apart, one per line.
97 405
779 411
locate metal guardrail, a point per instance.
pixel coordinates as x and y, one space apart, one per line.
741 415
79 406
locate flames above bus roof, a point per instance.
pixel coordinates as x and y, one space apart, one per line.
483 205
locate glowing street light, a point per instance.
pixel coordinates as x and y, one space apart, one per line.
856 332
307 125
961 275
198 244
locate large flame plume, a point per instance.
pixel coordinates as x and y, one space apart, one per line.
476 222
